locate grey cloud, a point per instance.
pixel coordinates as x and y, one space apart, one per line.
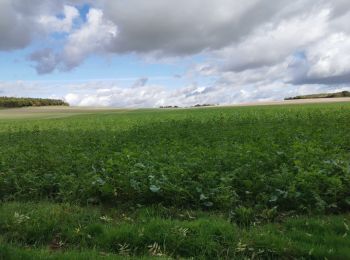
46 60
168 28
15 31
185 27
299 68
34 8
340 7
333 80
141 82
19 20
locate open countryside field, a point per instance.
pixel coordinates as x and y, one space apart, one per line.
52 112
224 182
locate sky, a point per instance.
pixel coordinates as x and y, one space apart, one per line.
137 53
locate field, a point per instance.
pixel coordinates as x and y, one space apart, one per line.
226 182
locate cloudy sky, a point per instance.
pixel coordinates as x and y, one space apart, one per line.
137 53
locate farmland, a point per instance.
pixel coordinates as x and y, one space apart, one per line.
224 182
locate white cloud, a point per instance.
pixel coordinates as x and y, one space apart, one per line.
142 96
93 37
231 89
224 94
325 62
272 43
72 98
329 58
51 23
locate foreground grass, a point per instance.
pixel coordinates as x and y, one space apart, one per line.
63 230
9 252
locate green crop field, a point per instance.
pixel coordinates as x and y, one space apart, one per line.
245 182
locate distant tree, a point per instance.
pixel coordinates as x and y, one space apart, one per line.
11 102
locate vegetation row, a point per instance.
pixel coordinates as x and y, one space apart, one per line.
11 102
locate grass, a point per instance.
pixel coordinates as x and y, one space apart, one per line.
263 182
157 231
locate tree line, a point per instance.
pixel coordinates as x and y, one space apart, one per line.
10 102
322 95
